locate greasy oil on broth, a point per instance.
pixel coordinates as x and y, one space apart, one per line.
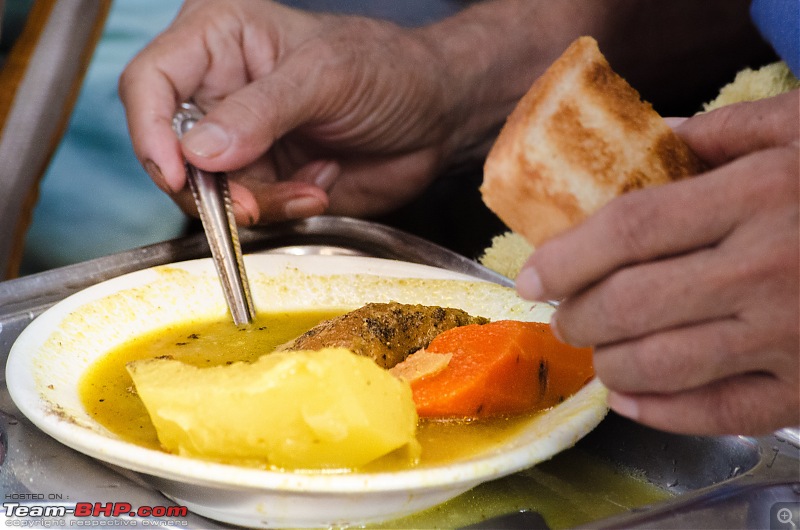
105 389
573 488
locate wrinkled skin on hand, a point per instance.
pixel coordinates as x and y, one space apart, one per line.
689 291
319 121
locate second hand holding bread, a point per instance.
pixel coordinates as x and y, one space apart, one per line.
580 137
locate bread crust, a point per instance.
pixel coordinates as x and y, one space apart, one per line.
579 137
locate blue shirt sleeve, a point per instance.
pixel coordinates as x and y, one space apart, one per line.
779 23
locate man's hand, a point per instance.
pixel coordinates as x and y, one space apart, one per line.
322 112
312 113
689 291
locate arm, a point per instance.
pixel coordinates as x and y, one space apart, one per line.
304 110
494 51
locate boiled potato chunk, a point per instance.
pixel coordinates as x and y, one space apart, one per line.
293 410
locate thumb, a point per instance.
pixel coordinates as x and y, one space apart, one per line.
735 130
245 124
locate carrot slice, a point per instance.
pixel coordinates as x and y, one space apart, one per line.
501 368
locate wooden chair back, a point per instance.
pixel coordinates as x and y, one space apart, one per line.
39 84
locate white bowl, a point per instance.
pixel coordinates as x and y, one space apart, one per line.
48 359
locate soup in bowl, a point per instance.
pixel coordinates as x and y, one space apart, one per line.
55 366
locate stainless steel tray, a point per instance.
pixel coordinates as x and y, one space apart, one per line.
718 482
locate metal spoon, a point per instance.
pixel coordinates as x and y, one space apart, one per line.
213 199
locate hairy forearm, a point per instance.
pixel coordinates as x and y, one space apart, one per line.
492 52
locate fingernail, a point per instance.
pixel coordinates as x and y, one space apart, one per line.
245 206
529 284
206 140
623 405
554 328
243 214
327 176
303 207
157 177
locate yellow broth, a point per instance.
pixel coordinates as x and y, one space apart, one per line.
573 488
106 390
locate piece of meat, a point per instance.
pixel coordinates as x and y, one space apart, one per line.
387 333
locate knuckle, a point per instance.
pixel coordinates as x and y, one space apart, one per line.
778 171
765 275
629 219
787 166
779 267
767 344
123 82
621 306
129 78
736 410
627 368
251 122
769 178
325 49
727 344
733 415
658 369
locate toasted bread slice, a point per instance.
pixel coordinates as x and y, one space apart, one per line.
580 137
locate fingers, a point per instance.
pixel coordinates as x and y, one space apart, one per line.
303 90
736 130
264 203
753 262
149 112
639 300
208 53
168 71
690 294
245 124
658 223
258 197
634 228
299 90
749 404
321 173
291 200
688 358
